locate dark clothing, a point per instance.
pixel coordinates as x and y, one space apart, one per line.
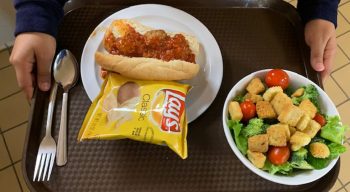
45 15
318 9
38 15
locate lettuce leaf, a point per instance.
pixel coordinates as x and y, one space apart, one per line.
335 150
310 92
285 168
299 155
318 163
241 141
239 98
298 159
333 130
254 127
301 165
318 139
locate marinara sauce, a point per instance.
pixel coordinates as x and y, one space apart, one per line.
153 44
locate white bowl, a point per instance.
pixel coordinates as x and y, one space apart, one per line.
295 80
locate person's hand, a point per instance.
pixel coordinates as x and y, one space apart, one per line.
321 38
33 50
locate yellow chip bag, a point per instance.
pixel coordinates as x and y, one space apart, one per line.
148 111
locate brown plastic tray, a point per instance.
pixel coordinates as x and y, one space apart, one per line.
252 35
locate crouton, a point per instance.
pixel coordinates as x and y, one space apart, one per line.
312 128
290 115
292 130
258 143
287 131
252 97
299 92
271 92
308 107
280 101
255 86
258 159
298 140
264 110
235 111
303 122
319 150
277 135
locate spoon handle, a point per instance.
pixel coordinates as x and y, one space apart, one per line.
61 158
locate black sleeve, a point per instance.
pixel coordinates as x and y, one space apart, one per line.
318 9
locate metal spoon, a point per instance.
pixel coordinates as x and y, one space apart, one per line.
66 74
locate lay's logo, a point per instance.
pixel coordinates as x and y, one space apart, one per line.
174 106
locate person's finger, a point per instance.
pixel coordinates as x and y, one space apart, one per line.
327 70
316 58
24 78
329 56
43 71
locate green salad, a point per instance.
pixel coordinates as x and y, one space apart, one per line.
281 130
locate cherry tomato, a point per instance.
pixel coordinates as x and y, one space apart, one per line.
277 77
278 155
248 109
320 119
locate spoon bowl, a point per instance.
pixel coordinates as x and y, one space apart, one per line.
65 70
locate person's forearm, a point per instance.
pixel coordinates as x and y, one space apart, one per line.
318 9
38 16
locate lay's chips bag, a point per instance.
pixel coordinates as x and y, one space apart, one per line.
148 111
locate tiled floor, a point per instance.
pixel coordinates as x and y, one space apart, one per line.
14 110
7 20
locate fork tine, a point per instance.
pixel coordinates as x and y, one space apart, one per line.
46 165
51 164
41 166
36 165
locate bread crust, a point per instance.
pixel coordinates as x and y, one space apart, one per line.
146 68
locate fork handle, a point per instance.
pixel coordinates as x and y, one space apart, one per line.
61 158
50 109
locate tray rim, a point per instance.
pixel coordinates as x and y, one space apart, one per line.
280 7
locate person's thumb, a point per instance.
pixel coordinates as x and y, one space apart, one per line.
44 72
316 58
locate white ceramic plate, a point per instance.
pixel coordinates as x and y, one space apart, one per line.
296 81
205 85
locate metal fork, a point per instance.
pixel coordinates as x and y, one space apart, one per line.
47 149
